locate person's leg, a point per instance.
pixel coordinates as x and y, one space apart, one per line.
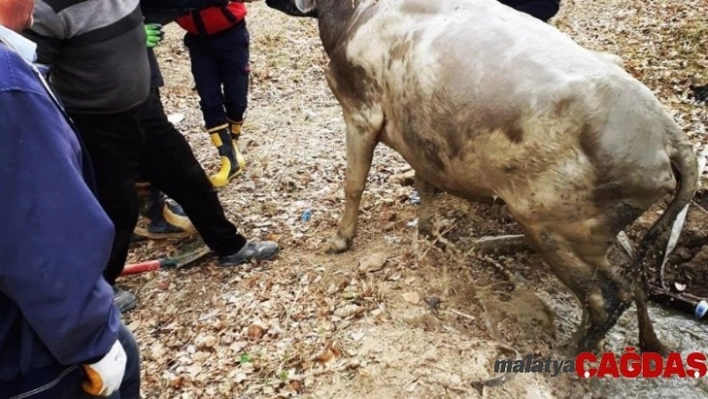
208 79
234 68
234 65
164 219
115 145
169 163
205 72
130 387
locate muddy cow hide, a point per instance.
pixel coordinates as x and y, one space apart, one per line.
485 101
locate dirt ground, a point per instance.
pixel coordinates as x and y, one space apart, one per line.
396 317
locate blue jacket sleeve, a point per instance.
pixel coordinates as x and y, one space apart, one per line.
56 238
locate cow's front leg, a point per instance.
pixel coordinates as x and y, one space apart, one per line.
362 137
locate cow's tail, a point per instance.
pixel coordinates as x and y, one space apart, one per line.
685 167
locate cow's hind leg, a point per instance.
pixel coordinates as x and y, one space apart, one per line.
426 211
648 341
579 259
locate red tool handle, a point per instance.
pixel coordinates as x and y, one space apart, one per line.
143 267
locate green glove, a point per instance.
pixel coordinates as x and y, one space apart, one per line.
154 34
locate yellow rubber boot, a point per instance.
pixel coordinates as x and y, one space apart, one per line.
164 220
230 168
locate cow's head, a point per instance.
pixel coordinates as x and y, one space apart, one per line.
295 8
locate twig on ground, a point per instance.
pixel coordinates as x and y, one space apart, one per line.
457 312
515 281
494 242
700 208
439 238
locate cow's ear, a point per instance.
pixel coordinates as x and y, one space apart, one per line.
306 6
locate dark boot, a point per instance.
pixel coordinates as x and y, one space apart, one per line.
700 93
164 220
231 160
123 299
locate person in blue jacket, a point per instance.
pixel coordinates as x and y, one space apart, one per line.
60 332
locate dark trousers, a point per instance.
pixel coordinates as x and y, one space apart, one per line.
144 141
156 92
540 9
220 60
65 383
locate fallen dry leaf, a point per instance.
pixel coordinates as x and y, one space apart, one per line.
296 386
327 356
206 341
177 382
240 377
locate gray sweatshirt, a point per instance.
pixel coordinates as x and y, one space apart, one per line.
96 50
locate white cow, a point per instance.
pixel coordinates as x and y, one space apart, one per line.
484 101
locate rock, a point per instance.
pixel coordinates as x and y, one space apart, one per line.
348 310
372 263
411 297
455 380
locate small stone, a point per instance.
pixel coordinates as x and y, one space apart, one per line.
683 253
255 331
411 297
372 263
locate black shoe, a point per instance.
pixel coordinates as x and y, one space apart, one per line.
700 93
137 237
124 300
263 250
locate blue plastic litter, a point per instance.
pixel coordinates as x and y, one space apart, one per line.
701 309
306 215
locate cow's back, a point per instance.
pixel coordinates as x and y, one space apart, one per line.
463 82
470 48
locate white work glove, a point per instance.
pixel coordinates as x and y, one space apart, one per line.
105 376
